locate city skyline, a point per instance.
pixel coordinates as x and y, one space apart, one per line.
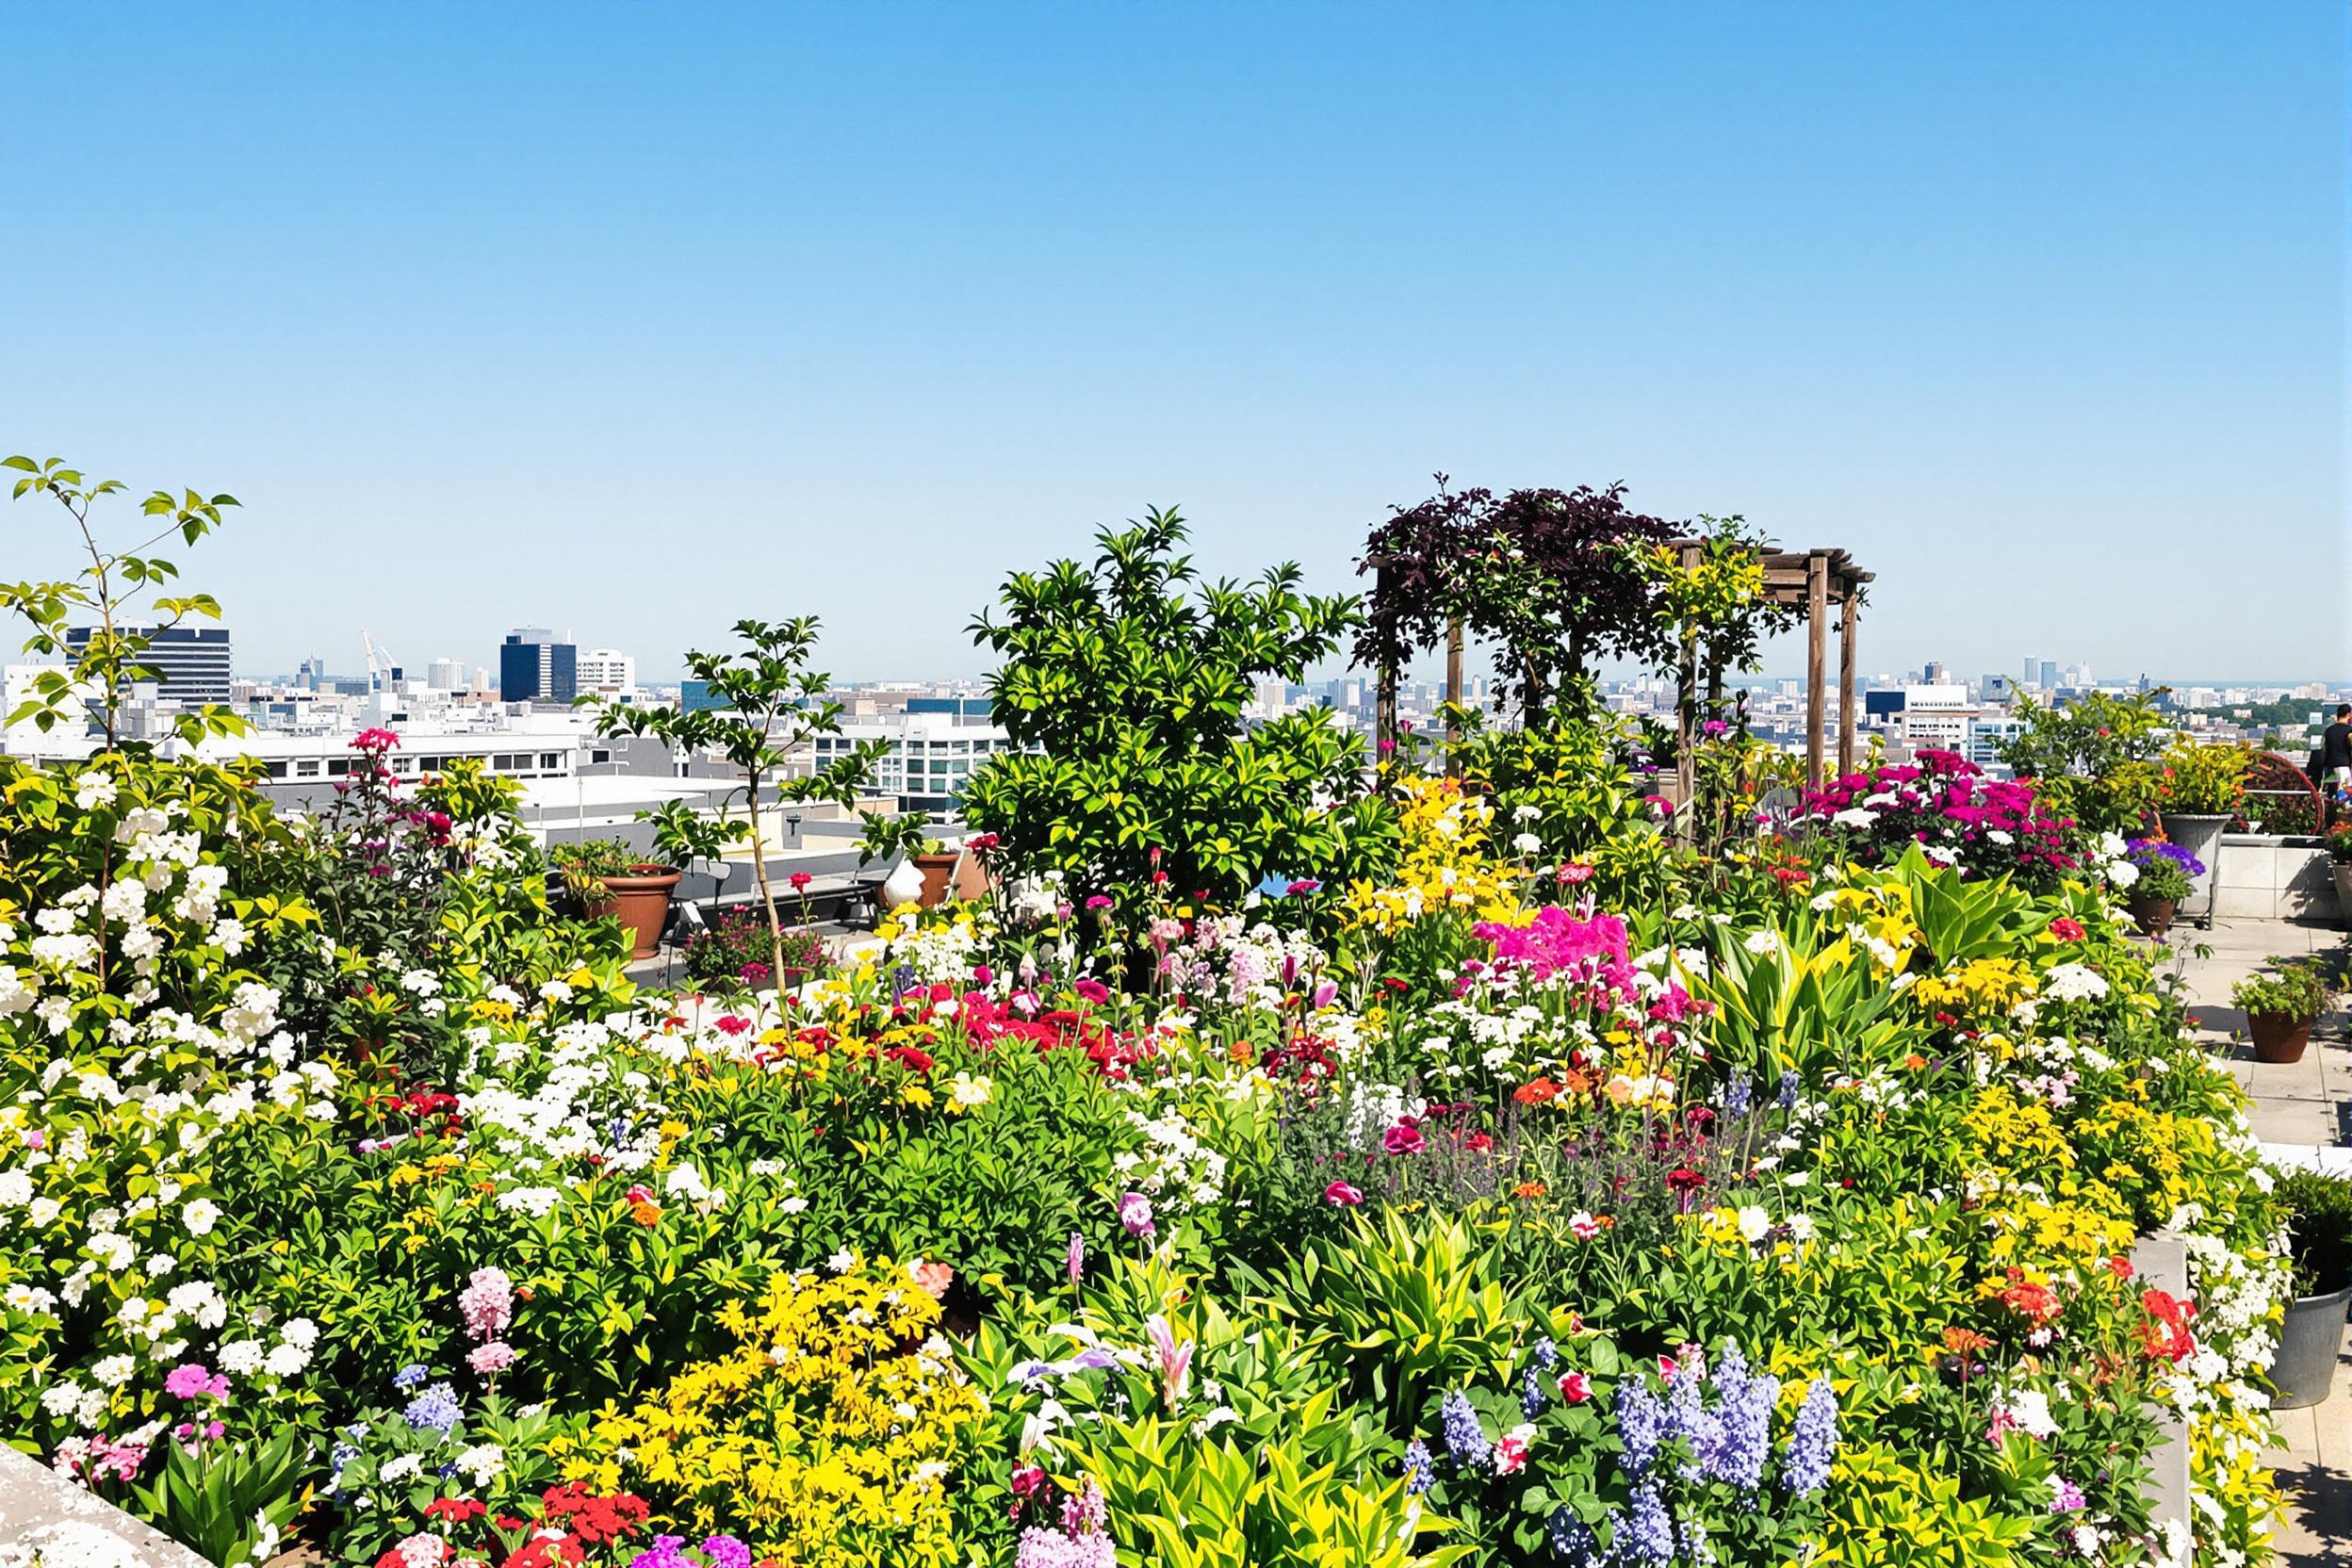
853 312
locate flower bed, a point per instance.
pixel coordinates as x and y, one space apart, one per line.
1448 1217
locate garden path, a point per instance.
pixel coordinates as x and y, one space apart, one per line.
2303 1115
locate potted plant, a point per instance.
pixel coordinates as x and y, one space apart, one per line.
906 837
2340 852
735 953
605 876
2319 1231
2200 787
2167 875
2281 1008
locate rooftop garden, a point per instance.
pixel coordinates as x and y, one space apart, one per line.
1468 1154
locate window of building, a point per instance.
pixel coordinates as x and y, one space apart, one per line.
550 759
305 770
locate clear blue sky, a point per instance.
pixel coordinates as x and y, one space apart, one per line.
637 318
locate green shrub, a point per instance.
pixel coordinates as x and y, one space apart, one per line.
2319 1223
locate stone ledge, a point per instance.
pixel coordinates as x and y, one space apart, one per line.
42 1512
2163 1261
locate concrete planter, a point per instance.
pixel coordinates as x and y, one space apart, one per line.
2200 835
2268 876
2341 873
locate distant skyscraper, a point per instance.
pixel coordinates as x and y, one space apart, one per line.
607 670
2049 682
2032 671
534 667
191 662
445 675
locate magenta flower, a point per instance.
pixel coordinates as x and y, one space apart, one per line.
1077 1258
192 1380
1340 1194
1405 1137
1134 1213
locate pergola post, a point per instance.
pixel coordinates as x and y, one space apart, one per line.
1848 609
1453 697
1686 704
1816 662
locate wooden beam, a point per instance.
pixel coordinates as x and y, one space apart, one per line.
1850 608
1816 665
1453 697
1685 703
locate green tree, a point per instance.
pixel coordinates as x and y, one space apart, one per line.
1124 681
114 653
2093 758
768 706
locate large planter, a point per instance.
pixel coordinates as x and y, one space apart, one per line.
2342 870
938 871
2154 916
640 901
2279 1038
2307 1348
2200 835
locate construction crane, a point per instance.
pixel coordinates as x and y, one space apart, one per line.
380 665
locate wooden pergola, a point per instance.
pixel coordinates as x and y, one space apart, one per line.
1809 583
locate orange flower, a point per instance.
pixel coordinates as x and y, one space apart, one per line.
647 1215
1537 1092
1529 1189
1966 1342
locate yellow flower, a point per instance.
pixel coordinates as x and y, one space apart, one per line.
917 1095
965 1092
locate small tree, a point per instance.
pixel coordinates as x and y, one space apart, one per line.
767 704
1127 678
114 655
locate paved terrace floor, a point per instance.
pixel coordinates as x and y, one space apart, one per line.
2303 1115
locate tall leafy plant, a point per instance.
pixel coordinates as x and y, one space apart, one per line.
114 653
2093 758
768 705
1124 681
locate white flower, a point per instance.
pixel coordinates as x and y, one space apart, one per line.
485 1462
1854 816
98 790
62 1399
286 1361
1753 1223
2073 983
555 990
199 1214
397 1469
965 1092
16 1188
843 1261
1526 844
242 1357
114 1371
1763 943
2122 873
230 937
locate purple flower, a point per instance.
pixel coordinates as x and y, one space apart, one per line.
1640 1425
1416 1464
2067 1497
1645 1536
667 1551
1532 1395
1077 1258
1572 1541
436 1408
1804 1468
1134 1213
1464 1438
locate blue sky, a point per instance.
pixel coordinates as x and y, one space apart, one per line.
635 319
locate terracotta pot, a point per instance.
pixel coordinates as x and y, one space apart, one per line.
641 902
2278 1038
937 870
2154 916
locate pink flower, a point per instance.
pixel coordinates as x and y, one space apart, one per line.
1510 1451
1098 901
1404 1138
1340 1194
1175 1358
1093 990
1574 1387
488 1298
192 1380
800 881
491 1359
1077 1258
1134 1213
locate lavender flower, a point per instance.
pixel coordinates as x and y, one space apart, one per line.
1532 1398
1737 1095
1687 1418
1417 1463
409 1377
1644 1536
1805 1468
1464 1438
1788 1085
1640 1425
1745 1421
436 1408
1572 1541
1695 1543
667 1551
1547 1353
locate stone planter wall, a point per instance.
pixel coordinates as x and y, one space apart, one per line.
41 1509
2267 878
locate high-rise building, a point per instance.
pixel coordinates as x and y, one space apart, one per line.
534 667
445 675
2032 671
191 662
2049 682
607 670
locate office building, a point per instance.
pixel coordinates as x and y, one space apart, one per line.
445 675
190 663
607 670
534 667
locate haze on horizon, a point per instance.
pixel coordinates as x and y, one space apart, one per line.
634 321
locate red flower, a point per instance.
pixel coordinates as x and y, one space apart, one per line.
1404 1138
455 1509
800 881
2067 930
1574 1387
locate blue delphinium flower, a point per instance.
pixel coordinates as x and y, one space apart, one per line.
1687 1418
410 1376
1747 1431
436 1408
1640 1425
1695 1543
1547 1353
1805 1466
1737 1094
1572 1541
1464 1438
1533 1396
1789 1084
1647 1535
1417 1463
